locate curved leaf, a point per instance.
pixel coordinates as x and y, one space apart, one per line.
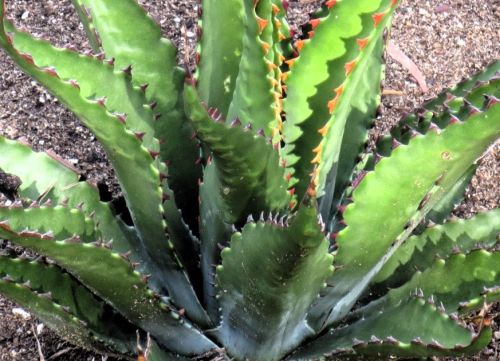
125 152
220 51
379 220
269 276
412 328
153 63
249 169
460 278
320 98
419 251
254 101
123 287
75 312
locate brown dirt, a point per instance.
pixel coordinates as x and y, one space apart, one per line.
447 39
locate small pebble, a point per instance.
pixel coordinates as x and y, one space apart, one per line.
21 313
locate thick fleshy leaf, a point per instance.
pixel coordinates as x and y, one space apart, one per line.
128 156
348 37
411 328
221 48
254 101
97 79
443 208
75 312
419 251
379 220
464 87
451 282
459 102
269 276
45 177
60 221
153 64
123 287
248 167
88 25
215 233
353 140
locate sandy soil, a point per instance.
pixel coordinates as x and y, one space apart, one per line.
447 39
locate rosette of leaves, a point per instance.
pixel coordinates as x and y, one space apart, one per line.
261 227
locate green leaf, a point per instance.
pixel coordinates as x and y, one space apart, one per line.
412 328
254 101
125 152
456 194
60 221
88 25
464 87
457 104
269 276
96 79
460 278
320 98
89 321
153 62
215 233
220 51
381 218
240 155
419 251
354 138
45 177
123 287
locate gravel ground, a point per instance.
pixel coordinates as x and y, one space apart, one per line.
447 39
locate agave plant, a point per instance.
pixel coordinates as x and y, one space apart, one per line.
261 227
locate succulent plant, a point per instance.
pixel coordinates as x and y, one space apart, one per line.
258 225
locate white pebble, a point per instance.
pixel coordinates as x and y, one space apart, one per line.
21 313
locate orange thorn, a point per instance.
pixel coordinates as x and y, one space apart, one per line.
314 23
339 90
284 88
288 177
278 24
299 44
283 163
332 104
284 76
349 67
310 34
281 36
362 43
377 18
331 3
316 159
318 148
266 47
291 191
271 66
324 130
290 62
277 116
281 58
262 24
276 9
291 205
394 3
